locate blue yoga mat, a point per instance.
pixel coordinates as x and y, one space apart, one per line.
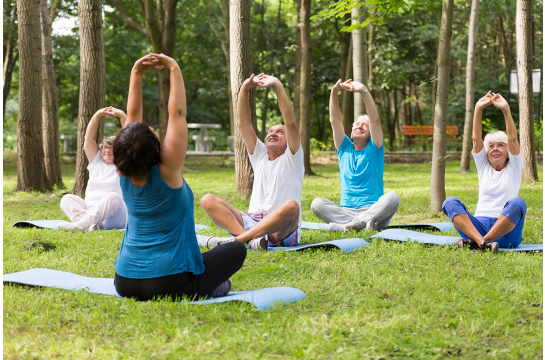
443 226
345 245
404 235
263 299
53 224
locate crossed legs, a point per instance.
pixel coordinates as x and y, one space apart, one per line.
109 213
278 224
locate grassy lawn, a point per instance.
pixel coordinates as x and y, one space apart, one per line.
387 301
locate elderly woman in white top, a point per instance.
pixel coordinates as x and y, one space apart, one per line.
499 218
103 207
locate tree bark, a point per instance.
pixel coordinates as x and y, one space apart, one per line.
241 69
30 153
11 54
297 85
344 39
347 99
92 82
401 118
50 103
470 88
305 107
359 58
526 96
370 49
437 184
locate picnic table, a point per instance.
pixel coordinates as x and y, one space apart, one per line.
203 143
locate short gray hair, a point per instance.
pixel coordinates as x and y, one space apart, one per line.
361 118
107 141
495 136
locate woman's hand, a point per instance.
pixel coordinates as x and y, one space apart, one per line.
165 61
353 86
111 111
148 62
499 102
484 101
264 80
251 82
337 87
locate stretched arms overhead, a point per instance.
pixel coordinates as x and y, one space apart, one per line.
498 101
90 145
374 119
335 116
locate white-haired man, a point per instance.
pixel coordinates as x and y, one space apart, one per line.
361 163
274 215
500 214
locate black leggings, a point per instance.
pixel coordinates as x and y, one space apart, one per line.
220 264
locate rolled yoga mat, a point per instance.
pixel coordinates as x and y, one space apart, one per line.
263 299
53 224
345 245
407 235
442 226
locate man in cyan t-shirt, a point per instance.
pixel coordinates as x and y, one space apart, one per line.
361 163
274 215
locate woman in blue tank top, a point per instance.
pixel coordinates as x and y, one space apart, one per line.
159 255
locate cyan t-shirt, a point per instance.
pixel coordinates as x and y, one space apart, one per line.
362 172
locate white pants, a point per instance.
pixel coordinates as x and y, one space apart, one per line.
381 212
109 213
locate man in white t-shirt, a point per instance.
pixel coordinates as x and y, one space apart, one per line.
274 215
103 207
500 213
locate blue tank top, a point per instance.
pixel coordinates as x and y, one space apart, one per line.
160 236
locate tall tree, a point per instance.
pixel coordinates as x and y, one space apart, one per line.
347 105
92 81
297 85
161 31
11 51
437 185
30 153
470 88
241 69
305 97
359 58
526 98
50 100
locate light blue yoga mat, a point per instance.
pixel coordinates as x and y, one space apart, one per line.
405 235
263 299
345 245
442 226
53 224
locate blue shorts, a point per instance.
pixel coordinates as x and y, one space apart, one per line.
514 209
250 220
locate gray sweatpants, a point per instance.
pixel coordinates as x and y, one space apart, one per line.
381 212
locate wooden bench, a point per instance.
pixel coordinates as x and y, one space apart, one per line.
426 132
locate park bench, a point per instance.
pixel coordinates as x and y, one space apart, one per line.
426 132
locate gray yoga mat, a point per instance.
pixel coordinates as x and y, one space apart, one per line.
442 226
407 235
263 299
345 245
53 224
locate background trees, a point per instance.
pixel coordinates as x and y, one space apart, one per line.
403 64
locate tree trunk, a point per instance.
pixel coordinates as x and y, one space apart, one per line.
359 58
401 118
470 88
50 103
92 82
297 87
526 98
344 39
11 52
370 49
437 185
30 153
305 100
225 11
241 69
347 109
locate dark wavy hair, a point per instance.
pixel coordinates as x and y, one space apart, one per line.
136 150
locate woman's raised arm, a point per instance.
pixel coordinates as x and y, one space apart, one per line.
478 143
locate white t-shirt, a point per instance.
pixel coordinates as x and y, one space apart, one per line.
277 181
497 187
103 180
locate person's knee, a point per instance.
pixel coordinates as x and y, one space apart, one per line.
208 200
449 203
65 200
316 205
519 204
393 198
292 207
239 251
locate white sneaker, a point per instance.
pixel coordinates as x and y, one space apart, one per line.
215 241
77 226
93 228
336 227
371 225
258 244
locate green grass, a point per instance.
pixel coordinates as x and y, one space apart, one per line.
389 300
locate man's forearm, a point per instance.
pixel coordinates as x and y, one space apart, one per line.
243 106
371 107
285 105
